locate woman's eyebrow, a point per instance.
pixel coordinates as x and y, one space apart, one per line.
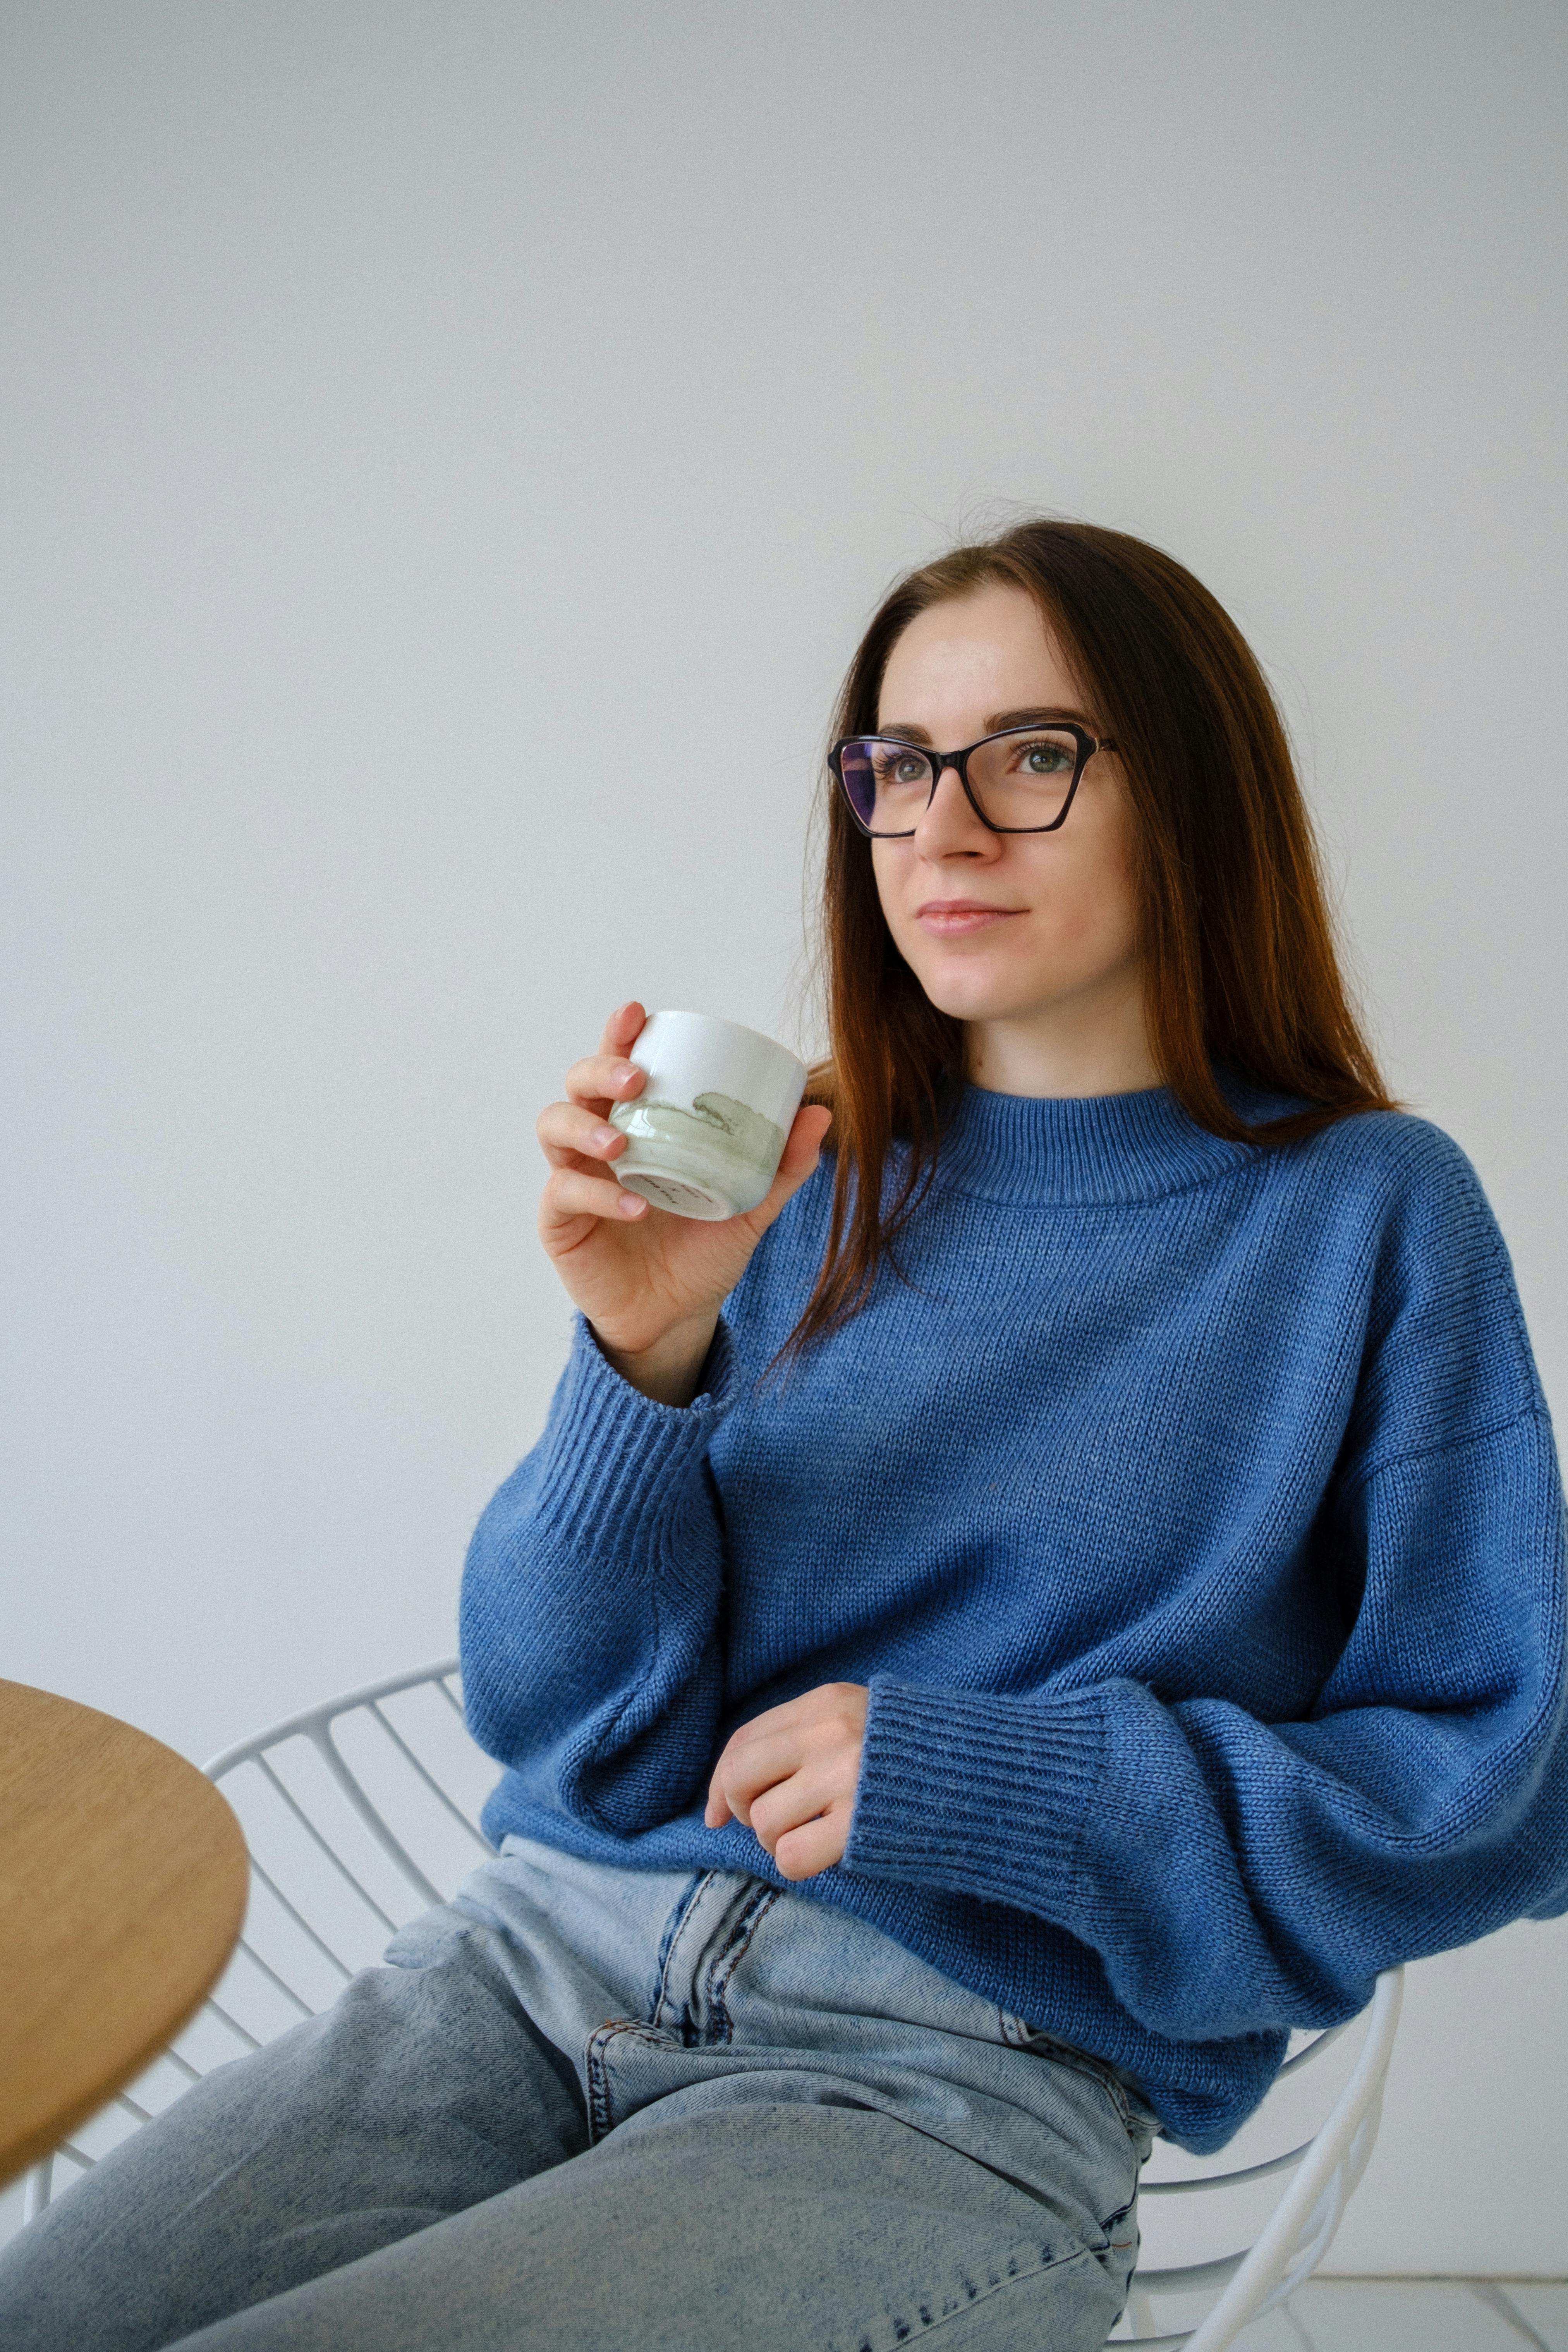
1033 717
999 719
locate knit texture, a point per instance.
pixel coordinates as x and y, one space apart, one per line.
1190 1510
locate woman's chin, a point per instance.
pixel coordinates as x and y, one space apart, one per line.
973 1009
967 992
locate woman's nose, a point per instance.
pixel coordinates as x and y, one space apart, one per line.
950 827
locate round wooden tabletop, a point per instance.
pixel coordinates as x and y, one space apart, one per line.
123 1886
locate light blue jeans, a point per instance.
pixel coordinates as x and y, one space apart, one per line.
603 2110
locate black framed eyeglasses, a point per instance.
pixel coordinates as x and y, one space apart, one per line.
1019 781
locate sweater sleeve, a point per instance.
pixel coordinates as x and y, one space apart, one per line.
589 1618
1235 1875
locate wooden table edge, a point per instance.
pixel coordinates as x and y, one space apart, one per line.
230 1897
46 2140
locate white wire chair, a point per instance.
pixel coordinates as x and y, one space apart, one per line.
362 1811
1299 2230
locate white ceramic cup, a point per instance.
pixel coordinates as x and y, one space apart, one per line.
706 1134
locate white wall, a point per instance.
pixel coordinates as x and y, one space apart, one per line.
449 447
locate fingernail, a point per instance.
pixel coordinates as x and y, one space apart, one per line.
604 1136
632 1205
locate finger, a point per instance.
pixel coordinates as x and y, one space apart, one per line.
717 1811
789 1712
601 1079
801 1153
788 1720
568 1133
569 1196
623 1028
802 1146
814 1845
743 1777
826 1703
801 1798
766 1749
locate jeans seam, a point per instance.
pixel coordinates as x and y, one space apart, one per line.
1011 2274
601 2121
1124 2212
598 2088
1062 2053
722 1966
688 1905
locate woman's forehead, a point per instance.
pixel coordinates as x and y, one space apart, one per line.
968 658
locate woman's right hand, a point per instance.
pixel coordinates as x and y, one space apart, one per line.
650 1284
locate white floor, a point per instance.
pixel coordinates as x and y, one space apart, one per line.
1414 2315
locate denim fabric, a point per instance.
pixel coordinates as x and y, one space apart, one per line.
613 2111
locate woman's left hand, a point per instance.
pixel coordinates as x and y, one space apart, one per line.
790 1775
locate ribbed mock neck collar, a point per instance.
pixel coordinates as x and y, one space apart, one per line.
1086 1149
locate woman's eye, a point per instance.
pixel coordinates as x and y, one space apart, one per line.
901 768
1045 758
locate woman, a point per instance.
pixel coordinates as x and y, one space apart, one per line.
1067 1590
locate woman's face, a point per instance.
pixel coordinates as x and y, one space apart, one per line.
1023 933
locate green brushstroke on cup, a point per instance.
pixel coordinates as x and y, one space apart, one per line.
715 1141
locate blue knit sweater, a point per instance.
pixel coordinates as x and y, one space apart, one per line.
1192 1511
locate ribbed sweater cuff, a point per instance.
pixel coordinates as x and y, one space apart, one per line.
616 1464
979 1792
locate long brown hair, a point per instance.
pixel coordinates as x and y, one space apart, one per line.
1237 949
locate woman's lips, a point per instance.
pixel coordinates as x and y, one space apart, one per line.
952 918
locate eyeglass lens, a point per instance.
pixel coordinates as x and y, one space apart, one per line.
1021 779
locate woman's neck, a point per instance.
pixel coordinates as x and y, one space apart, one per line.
1091 1043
